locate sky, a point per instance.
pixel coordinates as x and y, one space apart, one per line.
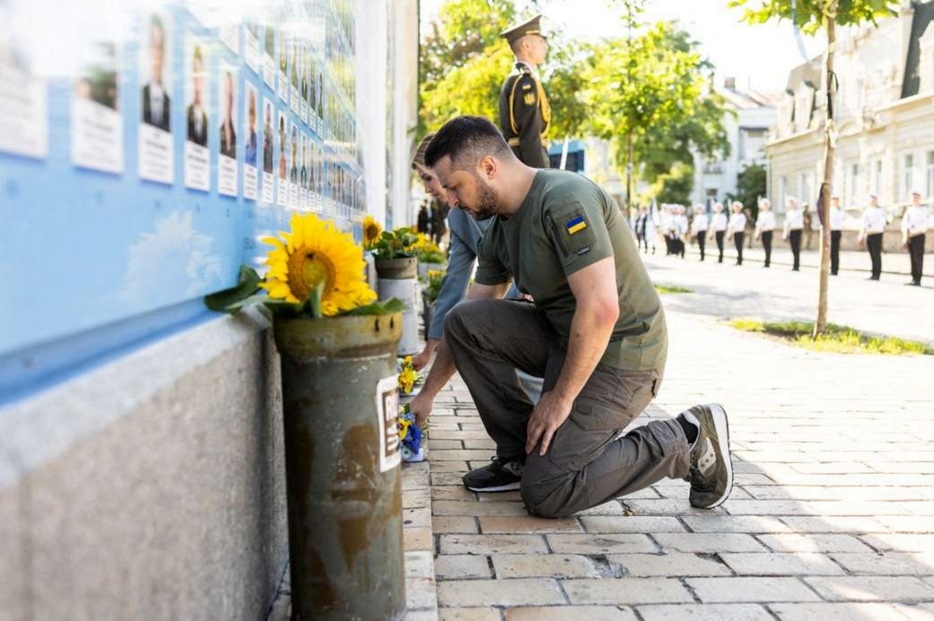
758 56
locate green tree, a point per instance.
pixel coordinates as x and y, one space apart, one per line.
812 16
750 185
651 97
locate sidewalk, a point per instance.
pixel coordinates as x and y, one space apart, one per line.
831 517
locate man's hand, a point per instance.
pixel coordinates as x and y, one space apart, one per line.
421 360
421 407
546 418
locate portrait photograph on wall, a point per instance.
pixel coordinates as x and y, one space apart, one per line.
269 55
156 150
197 119
269 114
227 132
251 143
96 121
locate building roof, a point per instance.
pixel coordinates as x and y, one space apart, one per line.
923 16
748 99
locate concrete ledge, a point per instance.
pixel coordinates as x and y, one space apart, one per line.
152 487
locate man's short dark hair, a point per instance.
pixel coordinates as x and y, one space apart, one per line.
466 139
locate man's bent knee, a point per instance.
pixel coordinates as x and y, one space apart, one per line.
547 499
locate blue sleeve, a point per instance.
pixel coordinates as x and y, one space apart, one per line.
454 284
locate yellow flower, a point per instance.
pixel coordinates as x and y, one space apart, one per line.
404 425
371 231
312 252
408 376
435 274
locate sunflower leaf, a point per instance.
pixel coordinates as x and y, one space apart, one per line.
233 299
387 307
312 304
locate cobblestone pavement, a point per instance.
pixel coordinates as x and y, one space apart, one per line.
831 518
728 291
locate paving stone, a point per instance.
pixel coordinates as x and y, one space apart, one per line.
477 508
600 544
462 455
608 508
626 591
447 478
732 524
437 445
544 566
447 434
873 588
416 518
887 564
484 443
462 567
564 613
781 564
416 539
416 498
518 592
493 544
420 593
441 524
842 612
837 524
900 542
705 612
469 614
631 524
903 524
675 564
511 496
813 543
452 492
528 524
419 564
712 543
742 589
667 506
422 615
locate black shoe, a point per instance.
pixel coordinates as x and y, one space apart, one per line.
502 475
873 278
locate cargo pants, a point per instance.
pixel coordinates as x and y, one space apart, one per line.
588 462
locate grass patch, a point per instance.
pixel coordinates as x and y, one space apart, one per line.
672 289
837 339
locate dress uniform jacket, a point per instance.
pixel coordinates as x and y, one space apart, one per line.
524 115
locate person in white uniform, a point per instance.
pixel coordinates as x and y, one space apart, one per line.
837 222
873 228
718 225
915 224
794 225
737 228
765 228
699 227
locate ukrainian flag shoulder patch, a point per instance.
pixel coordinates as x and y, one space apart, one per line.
575 224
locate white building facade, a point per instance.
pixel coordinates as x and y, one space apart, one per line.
753 114
884 118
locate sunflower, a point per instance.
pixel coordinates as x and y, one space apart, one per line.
371 231
408 375
316 252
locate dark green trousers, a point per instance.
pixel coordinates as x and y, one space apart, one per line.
588 462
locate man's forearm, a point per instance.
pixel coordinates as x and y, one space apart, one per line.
441 371
591 329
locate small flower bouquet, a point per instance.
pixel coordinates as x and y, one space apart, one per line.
396 244
411 436
427 251
408 376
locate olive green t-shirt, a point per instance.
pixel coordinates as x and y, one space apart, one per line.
566 223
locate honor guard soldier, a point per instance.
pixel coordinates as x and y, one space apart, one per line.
915 224
765 228
718 225
524 112
873 229
837 222
699 227
793 227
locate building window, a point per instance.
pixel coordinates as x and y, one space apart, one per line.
854 182
877 178
908 175
930 175
804 188
782 193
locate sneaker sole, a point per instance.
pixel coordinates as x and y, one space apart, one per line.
722 425
509 487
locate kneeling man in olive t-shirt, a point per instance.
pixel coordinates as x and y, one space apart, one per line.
596 333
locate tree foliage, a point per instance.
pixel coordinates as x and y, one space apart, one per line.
659 87
811 15
750 185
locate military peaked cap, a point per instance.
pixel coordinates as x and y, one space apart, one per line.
532 26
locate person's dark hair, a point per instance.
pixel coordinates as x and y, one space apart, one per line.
466 139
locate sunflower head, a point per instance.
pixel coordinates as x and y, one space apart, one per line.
314 252
371 232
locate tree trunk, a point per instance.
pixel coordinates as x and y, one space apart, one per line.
820 325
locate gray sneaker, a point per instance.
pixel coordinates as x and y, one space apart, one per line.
711 463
